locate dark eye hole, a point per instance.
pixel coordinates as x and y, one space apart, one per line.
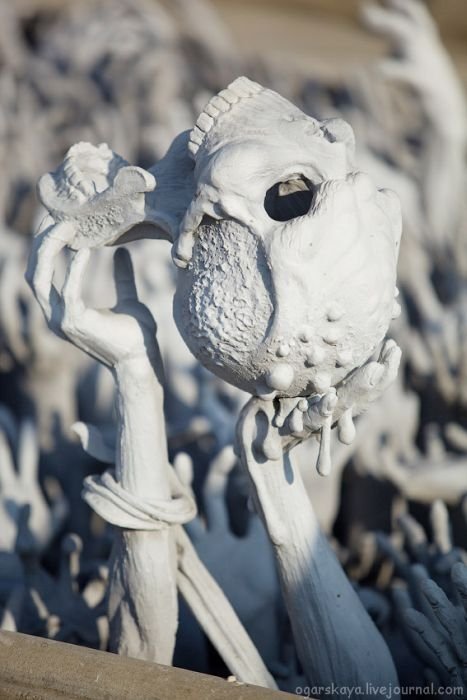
289 199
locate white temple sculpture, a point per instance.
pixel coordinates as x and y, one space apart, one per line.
286 288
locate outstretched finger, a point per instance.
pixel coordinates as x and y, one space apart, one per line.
388 549
8 475
446 615
400 598
392 24
319 411
124 276
356 390
441 526
10 297
415 537
430 645
183 467
28 453
46 246
459 581
73 286
92 442
390 358
414 9
215 487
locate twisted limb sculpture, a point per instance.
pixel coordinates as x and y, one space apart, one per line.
151 555
336 640
142 609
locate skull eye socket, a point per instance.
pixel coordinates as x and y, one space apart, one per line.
289 199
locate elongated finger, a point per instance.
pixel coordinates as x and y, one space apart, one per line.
28 453
417 577
430 646
368 382
446 615
390 358
456 435
401 598
183 468
320 411
93 443
214 490
441 526
124 276
387 548
459 581
415 537
10 297
415 10
390 24
445 380
40 270
355 391
8 476
73 286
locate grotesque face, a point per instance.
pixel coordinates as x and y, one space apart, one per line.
288 255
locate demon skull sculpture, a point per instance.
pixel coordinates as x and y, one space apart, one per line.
287 254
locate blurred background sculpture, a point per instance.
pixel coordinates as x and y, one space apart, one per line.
205 536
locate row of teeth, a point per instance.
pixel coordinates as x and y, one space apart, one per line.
239 89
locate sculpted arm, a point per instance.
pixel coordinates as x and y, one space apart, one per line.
124 339
423 63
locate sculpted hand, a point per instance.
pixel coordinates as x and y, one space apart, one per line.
127 331
421 60
352 397
20 488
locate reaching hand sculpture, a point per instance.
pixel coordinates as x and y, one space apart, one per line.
420 61
286 288
142 497
20 488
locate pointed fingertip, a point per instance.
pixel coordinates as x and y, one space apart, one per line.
123 263
80 429
122 255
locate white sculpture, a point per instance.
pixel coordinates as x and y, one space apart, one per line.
20 488
420 61
152 555
246 285
305 334
266 238
277 229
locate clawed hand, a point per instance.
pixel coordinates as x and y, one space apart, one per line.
349 399
420 58
127 331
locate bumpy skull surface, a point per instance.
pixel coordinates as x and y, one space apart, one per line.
288 254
